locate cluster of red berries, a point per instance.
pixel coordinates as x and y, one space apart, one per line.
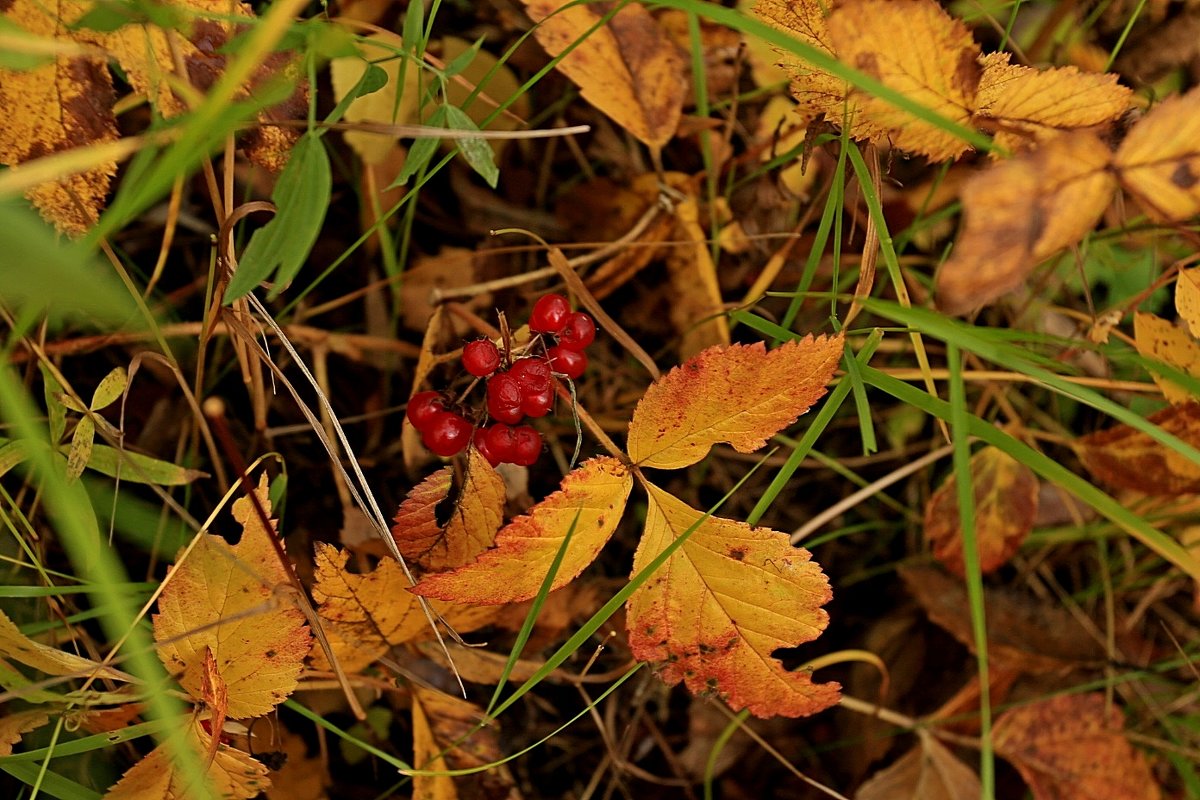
525 389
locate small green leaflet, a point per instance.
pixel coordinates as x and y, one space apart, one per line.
477 152
301 198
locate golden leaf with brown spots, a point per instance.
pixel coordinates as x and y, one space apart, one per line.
1159 340
1126 458
1159 161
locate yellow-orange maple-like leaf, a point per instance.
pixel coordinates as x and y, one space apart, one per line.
1126 458
592 498
916 48
1159 340
365 614
1073 746
1159 161
474 520
629 68
230 773
722 604
741 395
1006 503
447 735
15 724
1019 213
225 598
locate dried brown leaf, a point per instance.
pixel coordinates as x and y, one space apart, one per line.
1126 458
927 772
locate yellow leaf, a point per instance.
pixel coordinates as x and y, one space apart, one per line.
525 548
1159 161
741 395
1125 457
496 83
1159 340
1006 503
1187 298
43 658
109 389
629 68
722 604
81 447
927 772
231 773
391 105
366 614
1024 105
14 724
697 309
1018 213
916 48
1073 746
446 736
477 515
228 599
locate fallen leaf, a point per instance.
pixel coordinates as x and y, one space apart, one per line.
628 68
480 666
1159 340
15 724
1126 458
1020 212
392 105
1159 161
473 521
231 773
367 614
104 720
722 604
224 598
1006 502
1071 747
50 660
740 395
916 48
447 735
1021 105
1187 298
927 772
696 309
514 569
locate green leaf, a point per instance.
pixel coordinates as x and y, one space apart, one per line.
475 150
372 80
301 198
137 468
11 454
462 60
421 151
55 410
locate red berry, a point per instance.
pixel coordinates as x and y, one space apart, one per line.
527 445
578 332
480 358
502 441
533 373
447 434
504 398
539 403
422 407
480 440
549 313
566 361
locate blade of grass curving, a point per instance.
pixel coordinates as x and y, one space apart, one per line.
960 440
313 716
97 741
535 609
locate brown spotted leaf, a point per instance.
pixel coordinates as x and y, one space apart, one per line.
1020 212
1126 458
1071 747
1159 161
1006 503
741 395
592 498
228 599
1159 340
629 68
722 604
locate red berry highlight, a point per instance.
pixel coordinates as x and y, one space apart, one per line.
549 314
527 446
578 331
504 397
480 358
566 361
447 434
422 407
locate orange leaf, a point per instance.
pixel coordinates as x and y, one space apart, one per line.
740 394
224 598
525 548
1026 105
416 529
629 68
215 694
1124 457
446 736
1006 502
1071 746
926 772
364 615
722 604
231 773
1019 213
916 48
15 724
1159 161
1159 340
